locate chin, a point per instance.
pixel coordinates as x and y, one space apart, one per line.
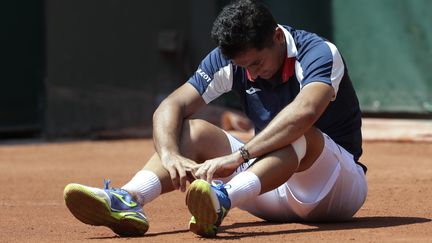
266 76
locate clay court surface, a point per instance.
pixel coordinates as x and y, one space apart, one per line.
33 175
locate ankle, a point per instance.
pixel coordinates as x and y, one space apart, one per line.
144 187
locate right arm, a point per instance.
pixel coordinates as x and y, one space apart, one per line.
167 123
213 77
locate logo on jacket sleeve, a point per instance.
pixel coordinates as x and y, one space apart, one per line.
204 75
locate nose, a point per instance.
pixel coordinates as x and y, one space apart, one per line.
254 72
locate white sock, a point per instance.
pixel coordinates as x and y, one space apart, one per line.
243 187
145 185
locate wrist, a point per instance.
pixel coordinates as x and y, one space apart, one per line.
244 154
239 160
167 155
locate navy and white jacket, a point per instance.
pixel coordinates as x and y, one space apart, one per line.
315 60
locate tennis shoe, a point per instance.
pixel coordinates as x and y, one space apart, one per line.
208 204
110 207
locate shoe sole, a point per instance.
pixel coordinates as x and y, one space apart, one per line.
92 209
199 202
205 230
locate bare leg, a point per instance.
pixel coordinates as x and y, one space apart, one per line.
277 167
199 141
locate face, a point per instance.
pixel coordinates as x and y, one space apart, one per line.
266 62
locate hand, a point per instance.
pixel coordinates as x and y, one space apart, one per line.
177 166
217 167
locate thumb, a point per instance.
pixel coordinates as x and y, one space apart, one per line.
195 168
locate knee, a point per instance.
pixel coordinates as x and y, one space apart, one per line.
303 144
193 131
193 136
313 147
299 147
201 140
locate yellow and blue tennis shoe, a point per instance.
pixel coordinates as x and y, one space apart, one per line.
110 207
208 204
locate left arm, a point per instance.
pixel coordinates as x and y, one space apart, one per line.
291 123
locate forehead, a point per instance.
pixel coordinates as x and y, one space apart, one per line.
249 56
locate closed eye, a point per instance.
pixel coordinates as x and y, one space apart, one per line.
256 63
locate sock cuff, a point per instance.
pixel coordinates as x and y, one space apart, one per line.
243 187
251 181
145 185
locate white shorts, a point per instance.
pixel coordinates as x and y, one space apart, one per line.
332 189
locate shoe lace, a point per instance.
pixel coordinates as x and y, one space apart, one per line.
220 184
107 182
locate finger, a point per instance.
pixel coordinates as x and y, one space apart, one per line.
201 172
191 168
182 179
210 173
206 172
174 178
194 169
197 173
190 165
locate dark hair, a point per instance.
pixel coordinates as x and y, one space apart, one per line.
242 25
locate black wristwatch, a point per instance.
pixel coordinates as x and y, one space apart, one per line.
244 153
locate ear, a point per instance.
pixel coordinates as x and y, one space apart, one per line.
279 36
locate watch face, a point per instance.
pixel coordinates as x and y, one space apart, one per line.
244 154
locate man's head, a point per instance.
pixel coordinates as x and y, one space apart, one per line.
243 25
247 33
